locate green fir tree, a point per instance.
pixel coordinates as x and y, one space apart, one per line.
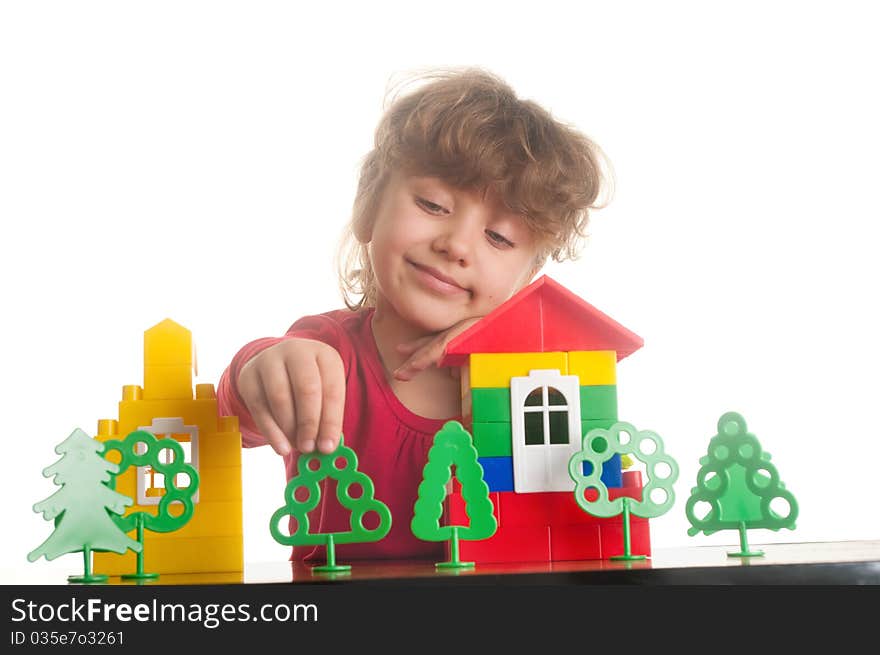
736 484
341 466
81 507
453 446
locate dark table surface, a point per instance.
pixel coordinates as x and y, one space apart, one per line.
834 563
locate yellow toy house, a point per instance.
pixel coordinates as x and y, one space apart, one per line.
212 540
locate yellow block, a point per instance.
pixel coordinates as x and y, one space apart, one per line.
166 382
135 413
465 380
165 553
219 483
593 367
217 519
168 344
495 369
221 449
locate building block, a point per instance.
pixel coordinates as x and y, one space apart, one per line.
496 369
564 510
456 509
542 317
575 542
589 424
168 344
510 544
218 518
466 403
524 510
492 439
593 368
171 554
497 472
491 405
215 452
611 471
612 537
164 382
221 483
222 452
599 402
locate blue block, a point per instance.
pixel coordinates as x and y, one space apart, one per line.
612 475
498 472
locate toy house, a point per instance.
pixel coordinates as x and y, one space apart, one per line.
538 373
166 406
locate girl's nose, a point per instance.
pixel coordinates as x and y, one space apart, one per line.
456 240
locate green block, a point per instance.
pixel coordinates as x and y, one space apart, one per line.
493 439
599 402
590 424
490 405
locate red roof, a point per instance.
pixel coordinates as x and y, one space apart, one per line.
542 317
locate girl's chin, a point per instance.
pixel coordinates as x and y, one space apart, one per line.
431 319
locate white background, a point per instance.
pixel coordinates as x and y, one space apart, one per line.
198 161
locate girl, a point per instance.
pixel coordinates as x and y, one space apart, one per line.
466 193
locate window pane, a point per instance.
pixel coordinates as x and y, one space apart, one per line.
559 427
556 396
535 398
534 428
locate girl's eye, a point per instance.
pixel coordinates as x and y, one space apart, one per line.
499 239
431 207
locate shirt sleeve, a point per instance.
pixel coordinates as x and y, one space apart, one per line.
317 328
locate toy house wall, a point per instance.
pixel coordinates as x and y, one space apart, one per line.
487 410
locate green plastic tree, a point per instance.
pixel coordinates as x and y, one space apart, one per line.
80 507
599 446
175 508
738 483
453 446
340 465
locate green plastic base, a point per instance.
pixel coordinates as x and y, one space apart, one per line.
454 565
335 568
87 579
627 558
754 553
139 576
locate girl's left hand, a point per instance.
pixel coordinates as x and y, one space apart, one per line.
427 351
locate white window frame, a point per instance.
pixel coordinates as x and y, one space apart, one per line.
160 428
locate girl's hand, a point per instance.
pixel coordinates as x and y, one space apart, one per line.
295 392
427 351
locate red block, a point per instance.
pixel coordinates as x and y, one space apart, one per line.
575 542
527 510
542 317
612 537
508 544
456 509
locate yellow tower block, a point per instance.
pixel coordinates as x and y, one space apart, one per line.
212 540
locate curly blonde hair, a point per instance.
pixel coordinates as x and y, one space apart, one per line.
468 128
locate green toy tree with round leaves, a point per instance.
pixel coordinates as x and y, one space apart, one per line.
736 484
82 507
453 446
340 465
175 508
591 494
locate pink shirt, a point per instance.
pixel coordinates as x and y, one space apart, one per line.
390 441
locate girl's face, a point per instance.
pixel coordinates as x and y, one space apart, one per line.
442 254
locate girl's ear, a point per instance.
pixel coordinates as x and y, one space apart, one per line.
362 227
